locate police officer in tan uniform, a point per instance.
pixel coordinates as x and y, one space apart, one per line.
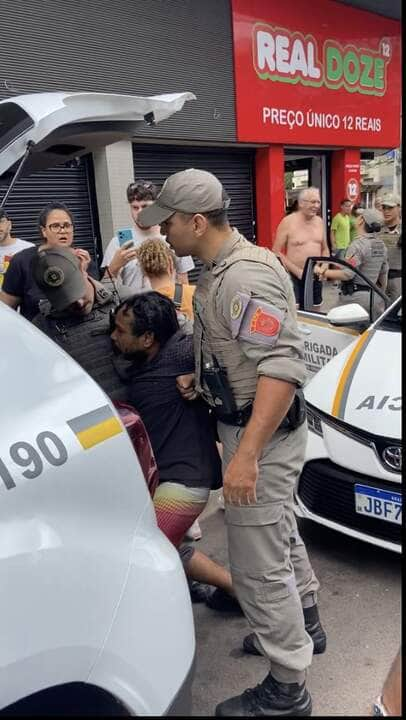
391 234
250 368
367 253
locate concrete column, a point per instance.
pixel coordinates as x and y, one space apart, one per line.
270 192
114 170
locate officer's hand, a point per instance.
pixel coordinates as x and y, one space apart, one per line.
318 270
240 479
120 258
321 271
186 386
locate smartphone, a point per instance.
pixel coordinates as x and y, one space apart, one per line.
124 235
127 245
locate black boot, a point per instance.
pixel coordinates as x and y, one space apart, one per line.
199 592
312 626
222 601
269 699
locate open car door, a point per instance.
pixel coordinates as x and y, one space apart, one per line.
329 329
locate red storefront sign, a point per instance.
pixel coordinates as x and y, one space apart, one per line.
318 73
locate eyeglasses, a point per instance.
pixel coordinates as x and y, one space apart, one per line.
60 227
387 207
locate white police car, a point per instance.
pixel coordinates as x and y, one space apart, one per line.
95 612
351 479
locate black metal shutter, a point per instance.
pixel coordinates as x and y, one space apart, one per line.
136 47
233 167
67 184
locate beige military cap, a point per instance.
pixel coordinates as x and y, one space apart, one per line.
188 191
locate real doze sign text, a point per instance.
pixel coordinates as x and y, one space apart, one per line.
316 73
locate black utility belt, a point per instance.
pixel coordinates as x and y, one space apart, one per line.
295 416
394 274
349 287
239 417
361 288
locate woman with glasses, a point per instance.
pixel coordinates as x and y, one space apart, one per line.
19 287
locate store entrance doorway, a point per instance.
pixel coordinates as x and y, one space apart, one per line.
308 168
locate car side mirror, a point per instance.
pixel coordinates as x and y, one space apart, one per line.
348 315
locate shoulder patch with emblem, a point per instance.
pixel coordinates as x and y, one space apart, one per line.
236 307
103 295
265 323
258 321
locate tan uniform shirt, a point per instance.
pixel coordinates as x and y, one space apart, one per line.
369 254
245 316
393 242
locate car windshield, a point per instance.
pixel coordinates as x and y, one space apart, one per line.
392 320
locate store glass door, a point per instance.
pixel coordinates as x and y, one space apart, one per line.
308 168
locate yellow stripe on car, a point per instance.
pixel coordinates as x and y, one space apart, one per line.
99 433
340 398
95 426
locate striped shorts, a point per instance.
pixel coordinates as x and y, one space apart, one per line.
177 507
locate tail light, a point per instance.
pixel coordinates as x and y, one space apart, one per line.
141 443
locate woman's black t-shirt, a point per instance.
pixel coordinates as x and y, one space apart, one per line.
19 281
181 431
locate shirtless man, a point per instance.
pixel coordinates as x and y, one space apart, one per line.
299 236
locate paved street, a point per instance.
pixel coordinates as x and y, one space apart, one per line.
360 608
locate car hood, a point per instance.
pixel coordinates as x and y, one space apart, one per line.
61 126
362 385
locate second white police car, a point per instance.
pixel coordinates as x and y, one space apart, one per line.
351 479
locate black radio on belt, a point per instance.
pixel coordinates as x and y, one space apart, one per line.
221 393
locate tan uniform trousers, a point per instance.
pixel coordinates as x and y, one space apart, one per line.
269 564
394 288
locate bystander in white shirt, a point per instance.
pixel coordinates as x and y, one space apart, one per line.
131 274
7 252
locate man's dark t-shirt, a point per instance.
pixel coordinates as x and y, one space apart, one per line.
181 431
19 281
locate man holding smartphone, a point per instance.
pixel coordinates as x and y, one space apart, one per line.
120 257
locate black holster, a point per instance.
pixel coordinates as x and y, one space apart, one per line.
224 407
295 416
347 287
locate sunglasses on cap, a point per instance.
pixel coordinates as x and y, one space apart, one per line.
140 186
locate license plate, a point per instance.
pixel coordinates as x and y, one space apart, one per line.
379 504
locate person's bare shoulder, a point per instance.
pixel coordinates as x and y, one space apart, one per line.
289 220
286 226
